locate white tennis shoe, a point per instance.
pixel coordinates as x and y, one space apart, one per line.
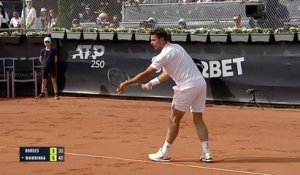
159 156
206 157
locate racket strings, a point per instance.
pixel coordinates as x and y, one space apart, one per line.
116 77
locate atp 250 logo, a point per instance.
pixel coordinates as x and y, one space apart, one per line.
91 52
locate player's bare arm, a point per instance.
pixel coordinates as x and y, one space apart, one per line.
164 76
161 78
137 79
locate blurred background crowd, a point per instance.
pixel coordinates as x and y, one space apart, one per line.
46 14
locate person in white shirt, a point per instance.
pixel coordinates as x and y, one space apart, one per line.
30 14
16 20
189 92
4 19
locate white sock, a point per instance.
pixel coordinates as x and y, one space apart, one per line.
165 148
205 147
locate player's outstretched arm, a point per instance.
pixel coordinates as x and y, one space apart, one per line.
137 79
161 78
164 76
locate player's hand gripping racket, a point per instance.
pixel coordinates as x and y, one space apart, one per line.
116 77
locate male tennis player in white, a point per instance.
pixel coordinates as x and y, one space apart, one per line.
189 92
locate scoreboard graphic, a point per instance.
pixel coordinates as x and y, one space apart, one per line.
42 154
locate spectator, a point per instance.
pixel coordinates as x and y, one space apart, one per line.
282 14
44 18
199 1
75 23
237 21
150 23
160 1
103 19
115 23
16 20
88 16
276 14
187 1
52 19
4 19
181 24
144 24
30 15
131 2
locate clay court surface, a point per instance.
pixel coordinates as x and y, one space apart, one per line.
110 136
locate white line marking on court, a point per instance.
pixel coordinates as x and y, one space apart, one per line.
5 147
152 162
164 163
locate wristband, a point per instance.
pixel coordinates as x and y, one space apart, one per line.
154 81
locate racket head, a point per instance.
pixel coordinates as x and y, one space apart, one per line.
116 76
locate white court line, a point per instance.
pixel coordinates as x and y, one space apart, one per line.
5 147
160 163
166 163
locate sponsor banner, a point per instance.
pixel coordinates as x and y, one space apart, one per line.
229 69
86 66
271 69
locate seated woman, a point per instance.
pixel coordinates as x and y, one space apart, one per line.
4 20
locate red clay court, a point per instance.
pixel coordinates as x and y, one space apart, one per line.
109 136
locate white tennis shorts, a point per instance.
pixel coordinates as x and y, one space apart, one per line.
192 99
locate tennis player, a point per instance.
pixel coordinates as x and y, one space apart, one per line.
189 92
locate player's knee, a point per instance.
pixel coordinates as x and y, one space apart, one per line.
175 120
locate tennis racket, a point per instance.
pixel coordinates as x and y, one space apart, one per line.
117 76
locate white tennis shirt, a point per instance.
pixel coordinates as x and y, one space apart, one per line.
179 66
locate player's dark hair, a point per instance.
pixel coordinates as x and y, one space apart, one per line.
160 33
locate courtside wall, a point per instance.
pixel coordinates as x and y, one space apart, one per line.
229 68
